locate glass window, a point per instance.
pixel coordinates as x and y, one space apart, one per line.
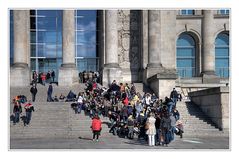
86 50
86 53
186 56
223 11
86 37
46 39
222 55
46 23
50 50
187 12
33 50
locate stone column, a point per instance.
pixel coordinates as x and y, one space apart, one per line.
154 64
154 38
111 70
208 54
68 74
20 72
162 33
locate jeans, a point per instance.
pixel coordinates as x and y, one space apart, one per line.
79 108
33 97
151 140
44 82
28 117
131 132
174 101
158 134
173 130
170 106
49 98
16 117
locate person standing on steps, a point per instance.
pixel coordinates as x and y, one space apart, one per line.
17 110
29 109
53 75
96 127
33 91
151 132
49 93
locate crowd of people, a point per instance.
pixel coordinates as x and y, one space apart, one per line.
18 101
130 113
43 77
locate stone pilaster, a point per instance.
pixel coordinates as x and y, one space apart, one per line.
20 72
208 54
68 74
111 70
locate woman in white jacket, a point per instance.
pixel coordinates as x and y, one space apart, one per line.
151 132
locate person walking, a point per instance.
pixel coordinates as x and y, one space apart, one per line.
29 109
33 91
151 132
49 93
174 96
96 127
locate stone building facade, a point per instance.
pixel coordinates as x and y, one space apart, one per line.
134 46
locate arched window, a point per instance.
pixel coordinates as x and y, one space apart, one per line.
186 56
222 55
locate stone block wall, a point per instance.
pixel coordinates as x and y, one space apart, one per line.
214 102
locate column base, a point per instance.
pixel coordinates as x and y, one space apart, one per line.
153 69
68 76
110 74
163 83
210 77
20 75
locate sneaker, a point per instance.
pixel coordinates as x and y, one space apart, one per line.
97 140
93 139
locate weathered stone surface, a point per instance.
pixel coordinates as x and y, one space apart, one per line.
129 44
208 42
68 34
215 103
68 76
19 76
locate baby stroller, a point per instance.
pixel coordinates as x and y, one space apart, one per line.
179 129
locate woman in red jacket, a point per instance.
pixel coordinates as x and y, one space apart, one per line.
96 127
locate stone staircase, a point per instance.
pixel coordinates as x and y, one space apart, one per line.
195 122
53 119
56 120
42 91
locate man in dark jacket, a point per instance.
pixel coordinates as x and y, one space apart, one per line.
53 75
33 91
49 93
174 96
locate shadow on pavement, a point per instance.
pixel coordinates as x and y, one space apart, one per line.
84 138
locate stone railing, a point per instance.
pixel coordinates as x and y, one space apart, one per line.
214 102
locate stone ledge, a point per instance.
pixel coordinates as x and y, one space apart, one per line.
166 74
210 91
